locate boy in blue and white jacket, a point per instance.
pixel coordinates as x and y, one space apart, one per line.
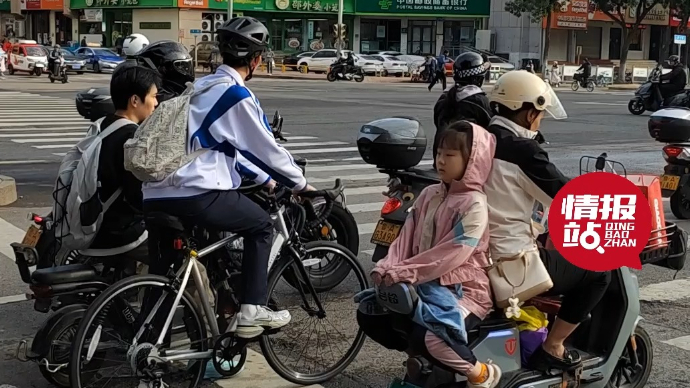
228 120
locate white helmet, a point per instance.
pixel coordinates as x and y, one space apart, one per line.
134 43
517 87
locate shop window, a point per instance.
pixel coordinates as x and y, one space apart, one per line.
458 33
115 23
636 41
421 38
379 35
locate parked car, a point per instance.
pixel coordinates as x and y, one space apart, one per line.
392 65
291 60
204 52
74 62
369 64
321 61
100 59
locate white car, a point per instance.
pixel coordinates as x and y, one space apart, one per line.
321 61
392 65
368 63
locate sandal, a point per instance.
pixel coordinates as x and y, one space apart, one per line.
542 361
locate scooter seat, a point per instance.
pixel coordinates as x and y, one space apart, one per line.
162 220
427 173
72 273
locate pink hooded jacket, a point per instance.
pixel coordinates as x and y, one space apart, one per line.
446 235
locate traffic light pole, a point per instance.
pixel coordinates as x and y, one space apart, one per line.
229 9
340 26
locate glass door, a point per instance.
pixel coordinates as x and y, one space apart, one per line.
422 40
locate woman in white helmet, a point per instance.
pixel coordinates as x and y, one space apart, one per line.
134 43
521 175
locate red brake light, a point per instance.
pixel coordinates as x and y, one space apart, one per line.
38 219
673 151
390 206
177 244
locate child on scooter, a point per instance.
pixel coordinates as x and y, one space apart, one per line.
442 251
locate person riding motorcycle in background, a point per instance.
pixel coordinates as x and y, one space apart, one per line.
521 176
53 63
586 68
676 78
465 100
347 63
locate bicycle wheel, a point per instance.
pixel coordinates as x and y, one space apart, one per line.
127 324
302 306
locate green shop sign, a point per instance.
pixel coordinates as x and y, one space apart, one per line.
425 7
5 5
238 5
78 4
310 6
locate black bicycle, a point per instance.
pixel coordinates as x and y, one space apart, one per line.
122 323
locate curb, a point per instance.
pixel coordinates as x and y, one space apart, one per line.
624 88
257 373
8 190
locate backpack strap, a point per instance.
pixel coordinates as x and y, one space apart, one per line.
112 199
119 123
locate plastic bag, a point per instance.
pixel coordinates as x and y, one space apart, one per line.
530 341
532 319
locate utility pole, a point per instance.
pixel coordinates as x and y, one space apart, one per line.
340 39
229 9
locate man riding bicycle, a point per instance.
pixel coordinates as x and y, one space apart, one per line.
227 120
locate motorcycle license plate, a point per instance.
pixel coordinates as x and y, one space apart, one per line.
76 67
385 233
669 182
31 237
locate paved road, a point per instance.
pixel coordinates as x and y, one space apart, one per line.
322 121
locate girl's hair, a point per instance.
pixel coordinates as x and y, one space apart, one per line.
458 137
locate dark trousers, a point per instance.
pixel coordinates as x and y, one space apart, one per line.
439 75
581 289
230 211
379 329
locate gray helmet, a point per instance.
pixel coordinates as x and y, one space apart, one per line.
242 38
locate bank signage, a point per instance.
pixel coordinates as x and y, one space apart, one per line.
425 7
237 5
81 4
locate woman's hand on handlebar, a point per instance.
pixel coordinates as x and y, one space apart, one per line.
270 186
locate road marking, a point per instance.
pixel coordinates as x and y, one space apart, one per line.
365 190
51 129
312 144
56 134
666 291
51 146
365 207
9 234
12 299
369 252
50 126
69 139
352 166
323 150
367 177
599 103
680 342
10 162
363 228
302 137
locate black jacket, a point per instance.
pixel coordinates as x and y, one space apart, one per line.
586 68
123 223
676 77
473 106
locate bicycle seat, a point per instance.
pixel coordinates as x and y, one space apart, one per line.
164 221
72 273
400 298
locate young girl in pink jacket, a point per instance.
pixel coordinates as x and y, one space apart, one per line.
444 243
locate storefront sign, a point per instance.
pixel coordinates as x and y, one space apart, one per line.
427 7
238 5
659 15
80 4
92 15
307 5
573 15
5 5
675 20
155 25
33 4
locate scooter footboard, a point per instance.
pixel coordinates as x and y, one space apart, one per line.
501 346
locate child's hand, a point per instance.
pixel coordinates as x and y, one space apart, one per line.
376 278
388 280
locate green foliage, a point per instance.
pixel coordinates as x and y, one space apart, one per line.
538 9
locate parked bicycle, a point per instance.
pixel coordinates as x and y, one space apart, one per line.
146 340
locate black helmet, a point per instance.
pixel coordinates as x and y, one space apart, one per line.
242 38
470 68
172 61
673 60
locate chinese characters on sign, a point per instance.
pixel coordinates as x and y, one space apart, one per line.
105 3
316 5
432 5
585 210
600 222
572 15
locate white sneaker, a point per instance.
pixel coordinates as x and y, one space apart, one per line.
252 320
492 380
